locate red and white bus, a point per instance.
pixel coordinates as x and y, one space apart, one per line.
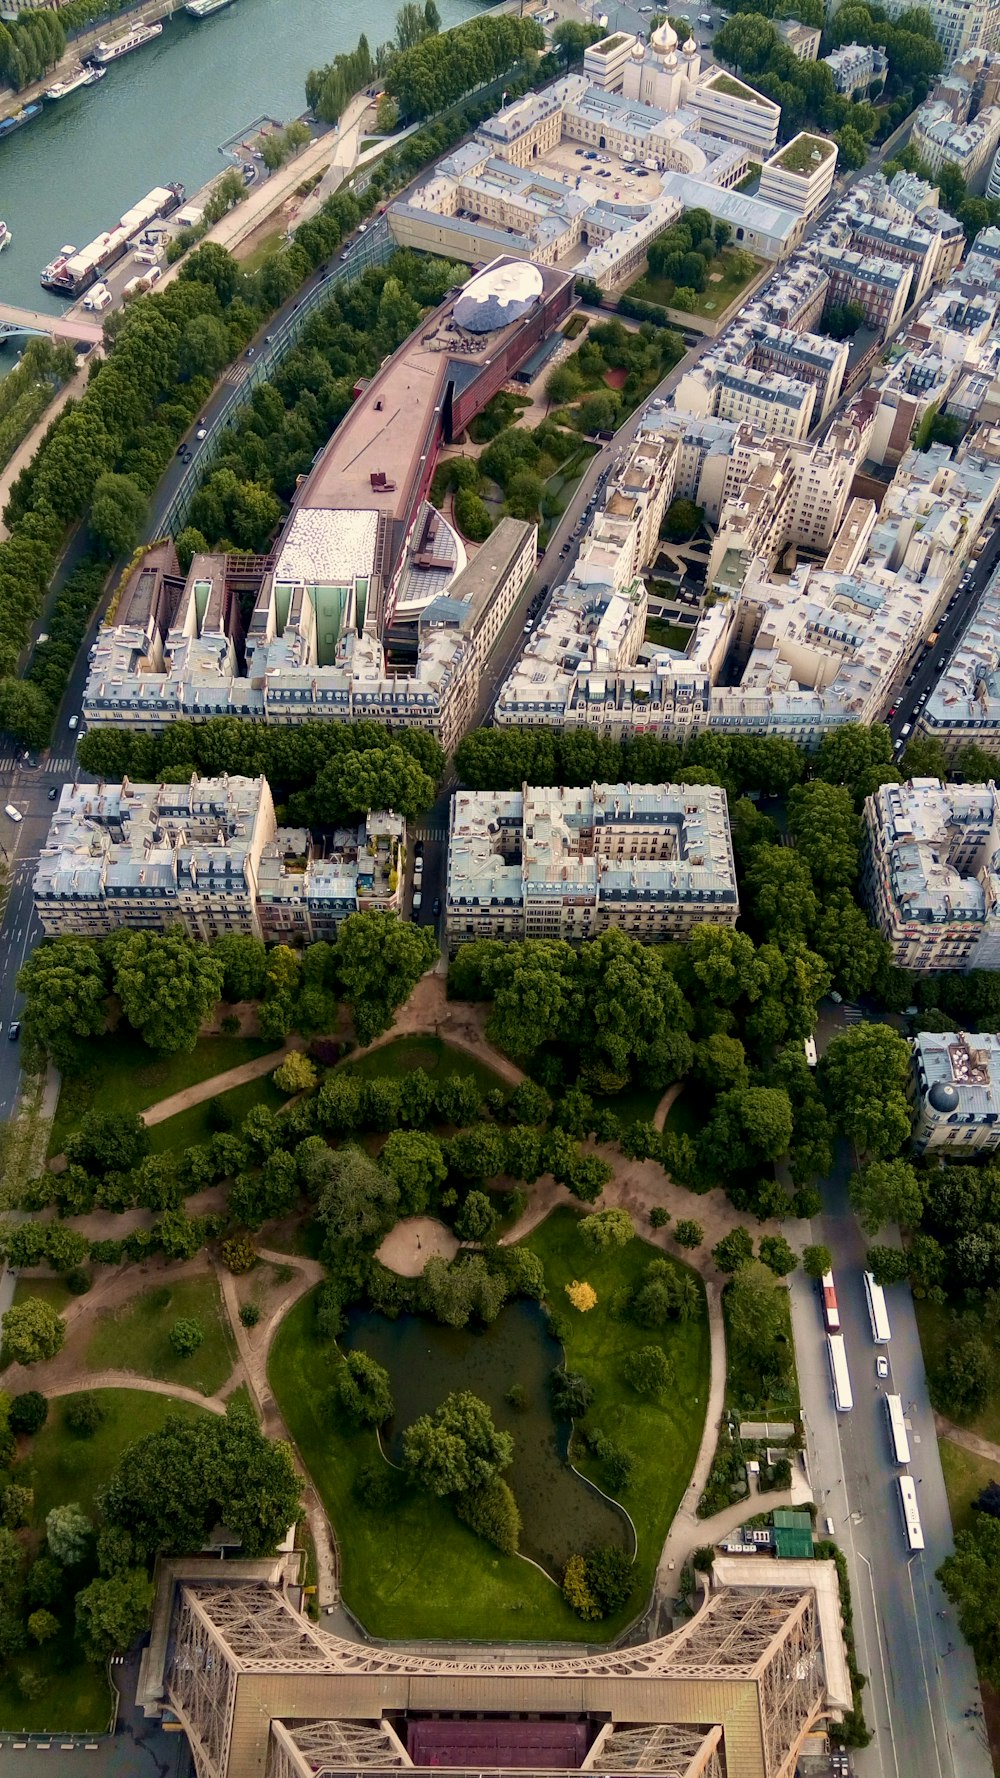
831 1313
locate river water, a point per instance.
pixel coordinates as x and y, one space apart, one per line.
160 114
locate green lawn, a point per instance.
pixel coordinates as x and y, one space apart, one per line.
781 1406
635 1105
51 1290
662 1438
60 1468
136 1336
686 1116
668 635
436 1057
414 1571
193 1126
714 299
123 1075
938 1328
965 1477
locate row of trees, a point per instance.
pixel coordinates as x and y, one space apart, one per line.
441 69
329 89
105 454
27 390
504 759
166 984
87 1581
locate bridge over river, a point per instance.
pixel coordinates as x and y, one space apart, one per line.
14 321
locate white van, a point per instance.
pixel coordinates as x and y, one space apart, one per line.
97 298
417 897
810 1049
14 814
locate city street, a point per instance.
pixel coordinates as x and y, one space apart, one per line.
921 1675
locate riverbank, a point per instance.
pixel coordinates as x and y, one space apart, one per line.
78 47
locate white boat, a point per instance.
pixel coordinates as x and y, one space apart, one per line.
203 9
5 236
82 77
133 38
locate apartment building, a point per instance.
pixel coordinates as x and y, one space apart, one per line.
857 66
149 856
800 176
931 873
604 63
304 893
802 40
779 497
881 287
970 146
959 25
965 703
954 1089
651 860
759 373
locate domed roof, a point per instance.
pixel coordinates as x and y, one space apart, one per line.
690 47
498 296
943 1096
638 51
664 39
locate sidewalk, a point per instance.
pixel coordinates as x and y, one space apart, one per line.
29 444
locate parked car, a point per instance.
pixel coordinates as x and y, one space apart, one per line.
13 1030
436 907
417 898
74 722
12 813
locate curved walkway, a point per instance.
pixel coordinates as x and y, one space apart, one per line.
219 1083
254 1345
83 1381
687 1530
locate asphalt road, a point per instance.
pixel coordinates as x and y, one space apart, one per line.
925 674
921 1675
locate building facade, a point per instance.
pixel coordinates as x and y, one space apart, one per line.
149 856
800 176
932 873
955 1090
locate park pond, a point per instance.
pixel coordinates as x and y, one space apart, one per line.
561 1512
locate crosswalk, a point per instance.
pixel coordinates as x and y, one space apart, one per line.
59 762
430 833
853 1015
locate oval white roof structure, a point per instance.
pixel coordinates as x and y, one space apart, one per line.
497 296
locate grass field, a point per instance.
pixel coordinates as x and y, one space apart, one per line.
662 1438
193 1126
965 1477
60 1468
414 1570
136 1337
938 1328
121 1074
667 635
432 1054
710 301
51 1290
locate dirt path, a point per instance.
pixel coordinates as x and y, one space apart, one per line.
219 1083
429 1013
86 1380
969 1441
254 1345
